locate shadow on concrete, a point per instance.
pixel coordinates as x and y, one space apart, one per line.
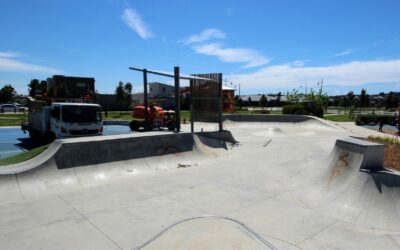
29 144
384 177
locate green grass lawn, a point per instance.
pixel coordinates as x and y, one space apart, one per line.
23 156
390 140
339 118
12 119
117 115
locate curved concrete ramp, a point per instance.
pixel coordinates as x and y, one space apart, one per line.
78 163
354 186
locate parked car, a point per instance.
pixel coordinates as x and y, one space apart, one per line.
11 108
21 108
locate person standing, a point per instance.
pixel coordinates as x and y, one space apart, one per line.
380 125
398 122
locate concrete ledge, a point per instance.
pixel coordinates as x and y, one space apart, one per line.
77 152
373 153
267 118
81 153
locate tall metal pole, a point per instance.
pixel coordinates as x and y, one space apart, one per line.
191 107
220 101
177 100
145 97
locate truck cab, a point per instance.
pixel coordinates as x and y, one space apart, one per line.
75 119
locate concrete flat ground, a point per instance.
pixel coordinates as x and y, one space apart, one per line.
272 190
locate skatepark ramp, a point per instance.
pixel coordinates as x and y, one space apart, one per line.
60 167
96 150
355 187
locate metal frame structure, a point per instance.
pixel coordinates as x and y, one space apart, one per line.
213 78
176 75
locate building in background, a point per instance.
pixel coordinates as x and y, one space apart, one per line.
160 90
228 99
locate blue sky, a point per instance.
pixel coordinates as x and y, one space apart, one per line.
265 46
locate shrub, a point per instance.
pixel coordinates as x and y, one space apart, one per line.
294 109
307 108
374 119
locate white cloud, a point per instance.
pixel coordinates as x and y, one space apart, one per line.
345 53
354 73
9 54
8 62
133 20
298 63
205 35
251 57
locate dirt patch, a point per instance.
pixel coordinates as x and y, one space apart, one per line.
392 153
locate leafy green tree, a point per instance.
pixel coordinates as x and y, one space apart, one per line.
350 98
293 97
120 94
128 93
36 87
391 101
238 102
249 101
263 102
33 87
278 99
364 98
7 94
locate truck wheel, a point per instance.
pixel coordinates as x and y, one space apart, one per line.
33 135
50 137
134 125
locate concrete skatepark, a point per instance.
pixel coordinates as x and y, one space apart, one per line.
267 182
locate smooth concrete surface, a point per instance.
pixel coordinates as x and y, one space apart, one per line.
285 185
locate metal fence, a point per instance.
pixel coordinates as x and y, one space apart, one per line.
206 99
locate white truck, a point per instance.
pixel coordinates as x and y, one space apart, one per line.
64 115
63 120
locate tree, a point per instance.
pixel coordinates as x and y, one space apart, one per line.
37 88
293 97
7 94
123 94
33 87
238 102
263 102
120 93
364 98
350 98
128 93
278 99
343 103
391 100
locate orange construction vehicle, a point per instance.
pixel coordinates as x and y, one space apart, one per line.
157 118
